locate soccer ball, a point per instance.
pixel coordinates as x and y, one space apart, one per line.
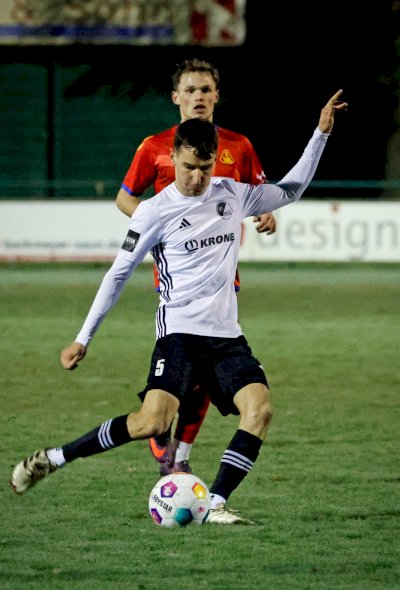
179 499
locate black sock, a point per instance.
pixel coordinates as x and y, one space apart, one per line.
236 462
108 435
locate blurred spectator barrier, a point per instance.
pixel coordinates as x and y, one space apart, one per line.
311 230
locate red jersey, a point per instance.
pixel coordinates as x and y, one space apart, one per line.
152 165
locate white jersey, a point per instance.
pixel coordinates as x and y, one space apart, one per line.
195 243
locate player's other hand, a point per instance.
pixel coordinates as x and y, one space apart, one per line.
327 116
71 355
266 223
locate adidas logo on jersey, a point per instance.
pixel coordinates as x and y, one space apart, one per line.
184 223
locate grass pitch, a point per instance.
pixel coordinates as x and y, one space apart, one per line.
324 492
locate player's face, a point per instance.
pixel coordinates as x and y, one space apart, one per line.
196 96
192 175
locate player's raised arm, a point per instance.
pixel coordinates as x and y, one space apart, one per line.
327 116
292 186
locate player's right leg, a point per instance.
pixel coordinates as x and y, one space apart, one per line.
31 470
156 413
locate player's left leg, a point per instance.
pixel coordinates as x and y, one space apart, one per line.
254 405
156 413
242 389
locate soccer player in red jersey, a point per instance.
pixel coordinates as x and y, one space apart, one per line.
195 92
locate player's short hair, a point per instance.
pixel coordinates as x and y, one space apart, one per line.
194 65
197 135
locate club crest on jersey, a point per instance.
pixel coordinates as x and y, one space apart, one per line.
130 241
226 157
224 210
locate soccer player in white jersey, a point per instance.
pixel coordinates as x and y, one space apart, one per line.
193 230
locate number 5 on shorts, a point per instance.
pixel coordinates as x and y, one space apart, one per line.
159 367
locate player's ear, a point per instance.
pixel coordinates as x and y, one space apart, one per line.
175 97
173 156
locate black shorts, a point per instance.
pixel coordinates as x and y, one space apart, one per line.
222 365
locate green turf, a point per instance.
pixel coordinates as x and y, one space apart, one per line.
325 491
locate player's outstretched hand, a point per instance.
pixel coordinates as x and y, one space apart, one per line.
266 223
71 355
327 116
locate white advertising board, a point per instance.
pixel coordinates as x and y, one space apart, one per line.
307 231
340 231
61 230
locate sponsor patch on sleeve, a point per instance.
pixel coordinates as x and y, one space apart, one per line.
130 241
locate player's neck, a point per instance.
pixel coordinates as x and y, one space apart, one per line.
183 119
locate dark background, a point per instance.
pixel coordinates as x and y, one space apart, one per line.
295 57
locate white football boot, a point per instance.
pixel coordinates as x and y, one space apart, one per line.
221 515
31 470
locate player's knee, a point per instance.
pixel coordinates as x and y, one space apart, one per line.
261 415
159 427
266 411
258 414
146 424
156 425
155 415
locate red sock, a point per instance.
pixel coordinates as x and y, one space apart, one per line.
191 418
